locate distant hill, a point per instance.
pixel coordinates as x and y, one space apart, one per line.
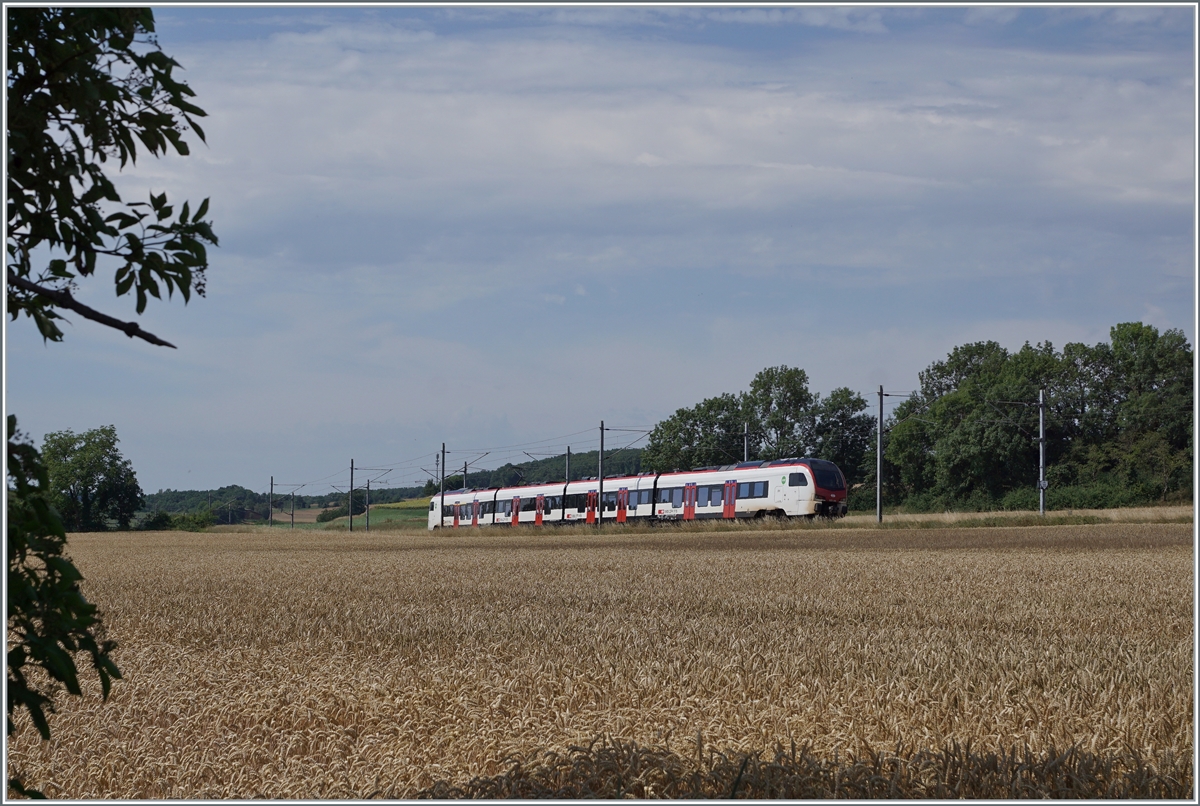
628 460
237 503
255 504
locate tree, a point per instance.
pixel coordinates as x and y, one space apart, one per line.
85 85
843 432
780 410
90 481
1118 423
49 620
710 433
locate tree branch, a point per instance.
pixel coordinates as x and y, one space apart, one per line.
63 299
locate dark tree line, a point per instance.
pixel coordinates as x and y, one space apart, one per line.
1118 427
617 461
776 418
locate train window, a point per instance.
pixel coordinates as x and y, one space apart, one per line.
701 496
760 489
677 497
432 506
528 504
827 475
447 511
715 494
644 496
664 495
610 501
743 490
797 480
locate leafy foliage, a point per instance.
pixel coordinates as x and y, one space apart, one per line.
187 522
709 433
86 85
360 506
783 419
49 620
90 481
1118 425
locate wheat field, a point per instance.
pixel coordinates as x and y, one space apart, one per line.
327 665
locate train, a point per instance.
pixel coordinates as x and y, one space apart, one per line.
799 487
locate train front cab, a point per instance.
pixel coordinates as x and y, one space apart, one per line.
809 487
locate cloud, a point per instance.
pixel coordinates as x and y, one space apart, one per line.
991 15
432 222
845 19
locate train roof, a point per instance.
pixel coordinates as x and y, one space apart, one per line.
758 463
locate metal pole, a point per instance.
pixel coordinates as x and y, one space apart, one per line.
600 499
350 507
879 462
464 475
442 489
568 463
368 505
293 509
1042 452
745 442
271 505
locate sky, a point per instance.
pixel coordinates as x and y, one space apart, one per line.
495 227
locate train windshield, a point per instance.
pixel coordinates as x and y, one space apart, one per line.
827 475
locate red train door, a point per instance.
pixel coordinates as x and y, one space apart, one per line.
689 502
475 513
455 509
516 513
730 509
541 502
593 499
622 503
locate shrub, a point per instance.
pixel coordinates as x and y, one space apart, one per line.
193 521
157 522
331 515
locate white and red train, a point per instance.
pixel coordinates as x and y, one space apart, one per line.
801 487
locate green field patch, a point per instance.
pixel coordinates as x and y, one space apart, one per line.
412 503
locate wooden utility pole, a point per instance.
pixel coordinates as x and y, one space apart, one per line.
745 442
600 496
368 505
879 462
350 506
568 463
442 488
464 475
1042 485
271 504
293 509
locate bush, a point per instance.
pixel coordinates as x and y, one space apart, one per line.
193 521
331 515
158 522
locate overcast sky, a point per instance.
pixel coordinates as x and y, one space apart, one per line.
493 226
